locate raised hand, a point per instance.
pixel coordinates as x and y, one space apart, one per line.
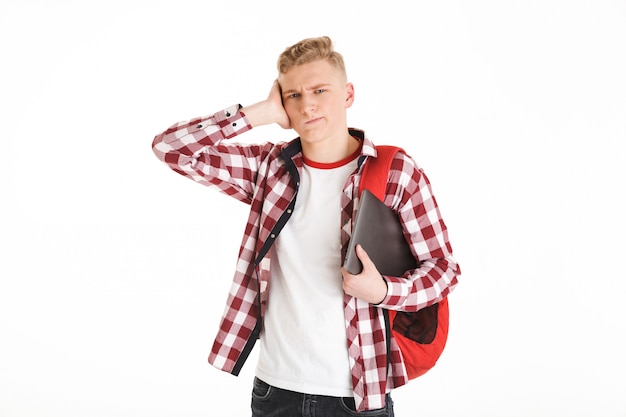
268 111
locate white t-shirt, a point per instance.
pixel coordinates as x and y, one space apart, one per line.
303 344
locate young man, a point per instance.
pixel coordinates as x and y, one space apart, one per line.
321 329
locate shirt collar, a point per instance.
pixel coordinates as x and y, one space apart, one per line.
293 149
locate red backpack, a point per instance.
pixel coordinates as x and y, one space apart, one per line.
420 335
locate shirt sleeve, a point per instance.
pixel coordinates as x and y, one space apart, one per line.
437 272
195 150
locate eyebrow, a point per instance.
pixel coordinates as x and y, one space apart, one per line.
315 87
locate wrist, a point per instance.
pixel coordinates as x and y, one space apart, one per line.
261 113
383 291
254 114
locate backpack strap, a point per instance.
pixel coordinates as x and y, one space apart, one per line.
375 174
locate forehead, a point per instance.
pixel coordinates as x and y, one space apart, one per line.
312 73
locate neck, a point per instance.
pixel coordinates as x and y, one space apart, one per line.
327 152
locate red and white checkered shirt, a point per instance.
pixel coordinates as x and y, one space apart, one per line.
266 176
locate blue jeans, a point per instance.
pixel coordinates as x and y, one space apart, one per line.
269 401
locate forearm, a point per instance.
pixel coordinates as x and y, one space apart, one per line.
424 286
437 271
194 149
190 137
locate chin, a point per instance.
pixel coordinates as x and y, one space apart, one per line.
307 134
311 137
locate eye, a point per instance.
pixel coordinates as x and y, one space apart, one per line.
319 91
293 95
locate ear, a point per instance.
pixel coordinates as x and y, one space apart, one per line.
349 95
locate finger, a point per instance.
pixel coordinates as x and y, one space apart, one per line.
344 273
363 256
360 251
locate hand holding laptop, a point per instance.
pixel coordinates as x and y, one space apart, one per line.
369 285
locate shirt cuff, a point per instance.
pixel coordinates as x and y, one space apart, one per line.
232 121
397 291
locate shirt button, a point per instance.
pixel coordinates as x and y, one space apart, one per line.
227 114
234 124
199 126
272 235
289 211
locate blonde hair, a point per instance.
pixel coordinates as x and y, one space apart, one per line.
309 50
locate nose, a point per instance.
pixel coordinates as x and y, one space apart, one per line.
308 104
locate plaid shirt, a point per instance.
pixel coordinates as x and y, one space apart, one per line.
266 176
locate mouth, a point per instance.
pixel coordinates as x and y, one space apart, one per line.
313 121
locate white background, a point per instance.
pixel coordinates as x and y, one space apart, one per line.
115 270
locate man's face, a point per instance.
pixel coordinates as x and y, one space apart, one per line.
315 97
